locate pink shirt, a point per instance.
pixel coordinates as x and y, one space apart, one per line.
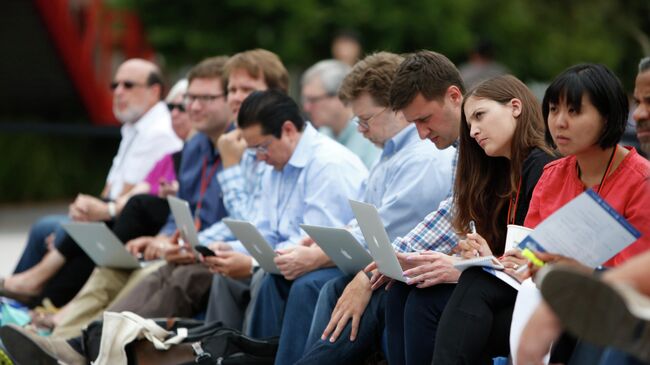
627 190
164 169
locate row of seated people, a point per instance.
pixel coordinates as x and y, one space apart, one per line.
492 155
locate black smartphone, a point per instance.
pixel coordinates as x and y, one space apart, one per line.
205 251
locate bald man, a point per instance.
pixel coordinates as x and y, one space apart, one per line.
147 136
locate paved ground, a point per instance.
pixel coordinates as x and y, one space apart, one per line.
15 221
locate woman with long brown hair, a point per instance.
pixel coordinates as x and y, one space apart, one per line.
502 152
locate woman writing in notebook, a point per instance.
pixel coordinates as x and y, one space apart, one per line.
502 153
586 111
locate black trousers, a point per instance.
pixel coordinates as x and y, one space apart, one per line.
143 215
412 319
475 325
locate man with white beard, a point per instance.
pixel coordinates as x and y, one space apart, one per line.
147 135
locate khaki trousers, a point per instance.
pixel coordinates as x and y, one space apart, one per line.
104 287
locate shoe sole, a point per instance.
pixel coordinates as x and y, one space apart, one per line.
595 312
23 350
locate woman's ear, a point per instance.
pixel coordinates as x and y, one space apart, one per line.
516 107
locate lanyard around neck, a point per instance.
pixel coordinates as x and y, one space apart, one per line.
205 181
512 206
609 166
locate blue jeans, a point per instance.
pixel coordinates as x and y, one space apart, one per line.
36 248
344 351
587 354
412 317
285 308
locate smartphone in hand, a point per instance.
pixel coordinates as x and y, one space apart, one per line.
205 251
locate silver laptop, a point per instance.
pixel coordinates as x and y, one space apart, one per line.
377 240
256 245
184 221
101 245
341 246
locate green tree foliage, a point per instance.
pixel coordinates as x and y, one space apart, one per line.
535 39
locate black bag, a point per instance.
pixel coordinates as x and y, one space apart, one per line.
212 343
230 347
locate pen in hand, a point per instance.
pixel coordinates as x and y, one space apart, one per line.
472 229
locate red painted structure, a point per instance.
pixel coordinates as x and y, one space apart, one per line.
90 37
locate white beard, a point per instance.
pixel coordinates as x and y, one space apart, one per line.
130 115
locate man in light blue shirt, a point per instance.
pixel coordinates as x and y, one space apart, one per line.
320 83
411 176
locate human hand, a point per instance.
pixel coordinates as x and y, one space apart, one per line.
473 246
550 258
167 188
177 254
350 306
231 147
87 208
432 268
378 279
307 241
299 260
230 263
542 329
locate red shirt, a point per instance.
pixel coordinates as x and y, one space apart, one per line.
627 190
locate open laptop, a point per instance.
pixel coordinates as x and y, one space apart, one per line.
255 243
101 245
377 240
341 246
184 221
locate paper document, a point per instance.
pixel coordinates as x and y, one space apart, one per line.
586 229
484 261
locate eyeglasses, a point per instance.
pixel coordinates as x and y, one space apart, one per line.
202 98
172 106
315 99
365 124
126 84
262 148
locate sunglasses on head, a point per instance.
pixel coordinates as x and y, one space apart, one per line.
126 84
172 106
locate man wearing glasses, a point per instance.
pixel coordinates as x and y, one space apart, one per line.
147 135
320 84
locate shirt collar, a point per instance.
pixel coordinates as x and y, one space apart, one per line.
152 116
303 151
400 140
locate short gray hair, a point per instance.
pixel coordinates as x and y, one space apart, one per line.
330 72
178 89
644 65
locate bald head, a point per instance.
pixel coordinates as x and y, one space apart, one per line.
137 87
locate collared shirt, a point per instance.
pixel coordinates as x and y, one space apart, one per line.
355 142
435 232
411 176
312 188
143 144
197 153
242 188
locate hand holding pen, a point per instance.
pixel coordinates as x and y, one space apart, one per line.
474 245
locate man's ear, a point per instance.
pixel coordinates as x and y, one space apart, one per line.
288 129
454 94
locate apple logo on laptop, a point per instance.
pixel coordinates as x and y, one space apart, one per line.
347 255
101 246
257 249
376 242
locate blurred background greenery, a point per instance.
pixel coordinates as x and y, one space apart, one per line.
535 40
